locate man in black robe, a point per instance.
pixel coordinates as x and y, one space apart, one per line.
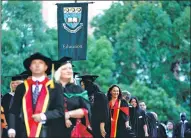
150 120
37 101
158 129
182 128
99 109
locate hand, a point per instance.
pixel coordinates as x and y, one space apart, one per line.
36 117
11 135
103 133
146 134
112 119
127 125
67 115
68 123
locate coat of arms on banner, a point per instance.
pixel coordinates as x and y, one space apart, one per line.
72 18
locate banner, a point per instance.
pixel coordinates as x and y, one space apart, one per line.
72 19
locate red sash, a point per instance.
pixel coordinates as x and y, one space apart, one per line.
116 108
114 117
33 128
125 110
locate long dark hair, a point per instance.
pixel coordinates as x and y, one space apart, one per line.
91 87
136 99
110 89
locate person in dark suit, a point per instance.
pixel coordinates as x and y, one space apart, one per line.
7 99
99 106
37 101
182 127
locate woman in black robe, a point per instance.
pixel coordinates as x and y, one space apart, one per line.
75 100
7 99
137 119
99 107
119 113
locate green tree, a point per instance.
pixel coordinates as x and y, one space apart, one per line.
99 61
163 105
152 45
23 33
149 41
109 23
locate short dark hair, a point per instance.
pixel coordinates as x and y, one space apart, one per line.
110 89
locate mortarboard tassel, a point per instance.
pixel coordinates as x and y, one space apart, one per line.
52 77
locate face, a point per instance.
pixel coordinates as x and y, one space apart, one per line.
142 106
38 66
183 117
14 84
66 71
126 97
133 103
169 125
115 92
82 85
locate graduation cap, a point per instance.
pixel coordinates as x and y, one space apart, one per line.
75 73
91 78
24 75
37 55
62 61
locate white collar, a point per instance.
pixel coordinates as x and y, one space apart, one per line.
38 79
12 93
185 121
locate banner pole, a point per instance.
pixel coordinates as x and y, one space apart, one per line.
82 2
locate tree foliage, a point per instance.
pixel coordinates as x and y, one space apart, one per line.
99 62
152 45
158 101
23 33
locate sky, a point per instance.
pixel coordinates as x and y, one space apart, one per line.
49 11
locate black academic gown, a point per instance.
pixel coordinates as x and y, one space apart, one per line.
151 124
59 128
100 113
54 109
6 102
122 131
137 121
160 131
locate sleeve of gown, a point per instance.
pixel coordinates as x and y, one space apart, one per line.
16 106
3 100
176 130
144 118
162 131
85 104
104 108
124 104
58 101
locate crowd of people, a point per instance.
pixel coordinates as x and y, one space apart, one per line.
59 106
